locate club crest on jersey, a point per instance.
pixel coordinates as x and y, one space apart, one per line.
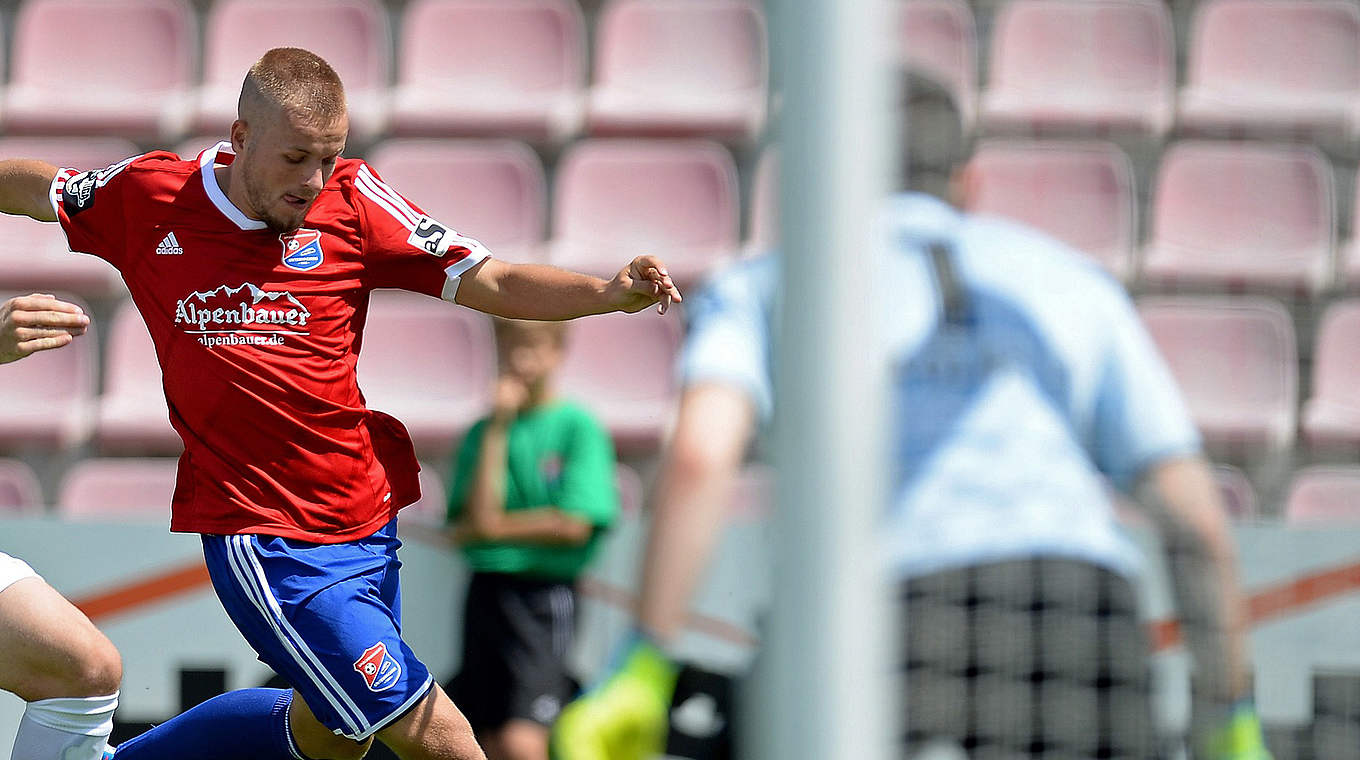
379 669
302 249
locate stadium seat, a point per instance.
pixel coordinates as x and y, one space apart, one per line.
491 67
1324 495
34 256
1230 216
1081 193
938 38
118 490
680 67
1273 67
492 190
1237 366
47 400
621 367
1331 416
1239 497
432 507
429 364
1349 267
20 492
1080 66
100 67
763 224
132 415
617 199
352 36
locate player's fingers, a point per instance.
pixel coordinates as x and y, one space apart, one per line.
46 302
51 318
36 333
664 304
27 347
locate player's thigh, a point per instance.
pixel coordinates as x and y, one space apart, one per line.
51 648
434 729
316 740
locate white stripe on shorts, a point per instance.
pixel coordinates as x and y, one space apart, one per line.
251 577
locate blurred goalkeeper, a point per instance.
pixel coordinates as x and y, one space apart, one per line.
1023 382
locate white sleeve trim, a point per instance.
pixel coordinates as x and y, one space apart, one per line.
477 253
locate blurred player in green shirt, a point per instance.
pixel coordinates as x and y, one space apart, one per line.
533 491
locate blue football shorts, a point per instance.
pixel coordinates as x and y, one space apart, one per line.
327 618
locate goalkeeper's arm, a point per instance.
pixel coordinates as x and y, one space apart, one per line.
1184 500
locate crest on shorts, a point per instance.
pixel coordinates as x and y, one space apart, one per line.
379 669
301 249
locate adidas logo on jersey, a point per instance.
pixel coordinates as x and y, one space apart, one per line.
169 246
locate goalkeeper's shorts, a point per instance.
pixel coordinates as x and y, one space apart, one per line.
1041 658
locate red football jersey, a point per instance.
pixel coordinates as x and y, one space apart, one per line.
258 334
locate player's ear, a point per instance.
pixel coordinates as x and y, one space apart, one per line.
238 136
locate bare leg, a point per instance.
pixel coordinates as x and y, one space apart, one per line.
434 729
51 649
318 742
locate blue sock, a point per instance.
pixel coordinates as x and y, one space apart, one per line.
244 723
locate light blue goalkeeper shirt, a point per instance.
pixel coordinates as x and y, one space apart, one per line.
1023 383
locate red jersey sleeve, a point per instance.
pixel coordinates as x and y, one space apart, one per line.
90 207
404 248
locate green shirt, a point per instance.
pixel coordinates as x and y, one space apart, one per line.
557 455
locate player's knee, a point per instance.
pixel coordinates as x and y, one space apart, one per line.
96 671
338 748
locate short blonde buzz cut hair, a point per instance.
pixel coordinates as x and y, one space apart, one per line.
295 81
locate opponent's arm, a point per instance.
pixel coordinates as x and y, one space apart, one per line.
24 186
1185 502
714 426
537 291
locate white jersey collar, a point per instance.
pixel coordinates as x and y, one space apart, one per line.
206 161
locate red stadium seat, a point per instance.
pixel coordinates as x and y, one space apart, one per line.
1081 193
621 367
492 67
101 67
1331 417
1079 65
133 416
432 507
47 400
20 492
1324 495
352 36
763 225
34 256
1239 497
616 199
493 191
938 38
1237 366
118 490
1273 67
1242 215
680 67
1350 253
429 364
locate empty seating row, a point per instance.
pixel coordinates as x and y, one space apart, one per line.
502 67
139 489
429 363
1265 67
1226 216
612 199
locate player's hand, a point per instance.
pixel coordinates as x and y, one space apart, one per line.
1239 738
37 322
508 398
642 283
624 716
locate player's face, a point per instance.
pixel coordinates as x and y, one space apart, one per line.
284 163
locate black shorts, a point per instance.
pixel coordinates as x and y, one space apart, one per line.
516 633
1037 658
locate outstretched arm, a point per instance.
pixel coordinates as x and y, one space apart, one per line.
24 187
37 322
537 291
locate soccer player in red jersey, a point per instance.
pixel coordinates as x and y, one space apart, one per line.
252 267
55 659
